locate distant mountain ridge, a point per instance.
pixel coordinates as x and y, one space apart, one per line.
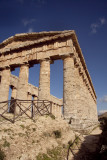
103 115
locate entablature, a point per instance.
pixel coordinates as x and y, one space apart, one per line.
33 47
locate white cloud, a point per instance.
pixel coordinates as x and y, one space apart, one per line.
102 111
30 30
102 21
103 99
95 26
27 22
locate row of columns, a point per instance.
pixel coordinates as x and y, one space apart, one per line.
69 85
44 81
22 88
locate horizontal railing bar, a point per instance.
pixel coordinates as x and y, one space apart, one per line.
25 101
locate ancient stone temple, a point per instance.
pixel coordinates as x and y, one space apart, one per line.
25 50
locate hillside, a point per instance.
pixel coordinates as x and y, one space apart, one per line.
103 115
28 140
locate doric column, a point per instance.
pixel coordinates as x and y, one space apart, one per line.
13 96
4 86
14 91
60 112
69 87
35 98
57 110
44 80
53 109
23 82
57 107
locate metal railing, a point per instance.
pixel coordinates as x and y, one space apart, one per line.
13 109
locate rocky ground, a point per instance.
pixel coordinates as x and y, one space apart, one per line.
46 138
28 140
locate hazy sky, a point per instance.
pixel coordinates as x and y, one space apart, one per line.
87 17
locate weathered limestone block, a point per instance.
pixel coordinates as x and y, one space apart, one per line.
56 110
53 109
59 111
44 80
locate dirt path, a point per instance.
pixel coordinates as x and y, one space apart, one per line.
89 146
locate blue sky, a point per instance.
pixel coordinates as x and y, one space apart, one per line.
87 17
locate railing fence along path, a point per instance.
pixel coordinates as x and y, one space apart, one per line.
13 109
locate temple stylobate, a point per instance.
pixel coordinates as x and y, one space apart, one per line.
25 50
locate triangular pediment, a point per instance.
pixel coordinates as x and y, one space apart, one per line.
26 39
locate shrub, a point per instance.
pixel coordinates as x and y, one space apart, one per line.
34 129
55 153
57 134
2 155
22 126
43 157
77 139
70 142
103 124
52 116
6 143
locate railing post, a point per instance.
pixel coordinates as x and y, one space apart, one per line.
8 106
43 107
32 110
50 107
14 110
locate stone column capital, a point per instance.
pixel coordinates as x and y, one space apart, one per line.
6 68
46 59
13 87
67 55
24 64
